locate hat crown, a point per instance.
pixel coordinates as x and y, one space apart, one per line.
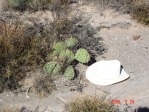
108 69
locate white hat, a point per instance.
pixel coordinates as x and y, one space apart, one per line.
106 72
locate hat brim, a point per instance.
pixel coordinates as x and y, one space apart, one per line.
90 75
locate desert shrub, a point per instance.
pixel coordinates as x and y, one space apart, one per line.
53 5
18 4
139 9
36 5
19 53
87 103
44 85
95 103
24 48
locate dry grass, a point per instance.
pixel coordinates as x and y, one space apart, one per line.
44 85
24 49
87 103
36 5
19 53
139 9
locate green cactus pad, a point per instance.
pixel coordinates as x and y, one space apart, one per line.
71 42
52 68
67 55
82 56
69 72
58 47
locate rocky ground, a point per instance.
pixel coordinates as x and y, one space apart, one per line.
123 39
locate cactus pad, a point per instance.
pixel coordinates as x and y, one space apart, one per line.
52 68
71 42
67 55
58 47
82 56
69 72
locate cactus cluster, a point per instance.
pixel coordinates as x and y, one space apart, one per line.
65 57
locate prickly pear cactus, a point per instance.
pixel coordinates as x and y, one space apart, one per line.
69 72
52 68
71 42
82 56
67 55
59 47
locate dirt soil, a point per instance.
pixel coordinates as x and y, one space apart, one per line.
125 40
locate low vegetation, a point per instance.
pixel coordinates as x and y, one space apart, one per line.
24 48
87 103
139 9
36 5
19 53
63 57
95 103
44 85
